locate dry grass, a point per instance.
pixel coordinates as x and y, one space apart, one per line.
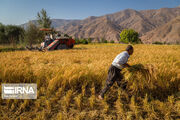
69 82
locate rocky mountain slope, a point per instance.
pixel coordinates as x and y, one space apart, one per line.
109 26
168 33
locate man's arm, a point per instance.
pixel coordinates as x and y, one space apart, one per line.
126 65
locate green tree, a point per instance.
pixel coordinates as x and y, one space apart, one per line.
81 41
77 41
84 41
3 37
105 41
89 40
33 35
13 33
43 19
129 36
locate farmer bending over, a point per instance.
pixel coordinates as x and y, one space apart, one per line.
117 65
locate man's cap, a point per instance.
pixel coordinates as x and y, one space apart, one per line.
129 47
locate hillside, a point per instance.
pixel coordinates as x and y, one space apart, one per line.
109 26
55 22
141 21
97 28
169 33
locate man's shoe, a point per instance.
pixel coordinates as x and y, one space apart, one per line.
100 97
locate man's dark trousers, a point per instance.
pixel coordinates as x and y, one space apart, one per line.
113 75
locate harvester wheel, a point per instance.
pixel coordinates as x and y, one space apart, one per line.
62 46
71 46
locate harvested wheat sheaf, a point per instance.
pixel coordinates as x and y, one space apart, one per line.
140 77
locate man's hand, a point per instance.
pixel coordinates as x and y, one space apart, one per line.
126 65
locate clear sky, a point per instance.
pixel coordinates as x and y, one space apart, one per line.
21 11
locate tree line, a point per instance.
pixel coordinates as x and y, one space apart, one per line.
10 34
13 34
126 36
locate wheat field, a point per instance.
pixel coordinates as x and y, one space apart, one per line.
69 81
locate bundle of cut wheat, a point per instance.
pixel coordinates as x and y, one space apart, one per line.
139 78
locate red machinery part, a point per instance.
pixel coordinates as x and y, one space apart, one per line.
45 29
70 42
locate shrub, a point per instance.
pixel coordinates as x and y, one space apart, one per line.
158 43
84 41
112 41
81 41
129 36
89 40
77 41
105 41
177 42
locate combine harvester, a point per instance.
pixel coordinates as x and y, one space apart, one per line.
59 42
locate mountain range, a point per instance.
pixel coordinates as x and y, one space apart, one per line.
162 25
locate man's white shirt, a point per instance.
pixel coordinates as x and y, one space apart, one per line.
121 59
